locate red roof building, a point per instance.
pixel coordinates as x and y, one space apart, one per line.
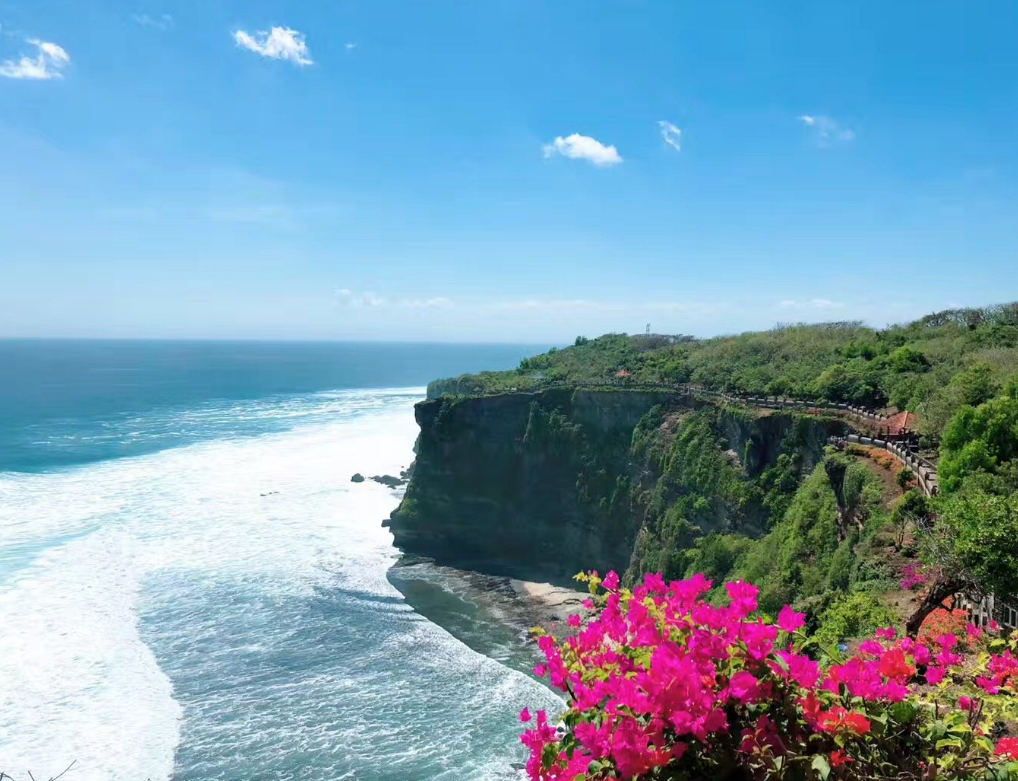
903 421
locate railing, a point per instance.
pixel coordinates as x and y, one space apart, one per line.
924 471
989 608
765 402
681 387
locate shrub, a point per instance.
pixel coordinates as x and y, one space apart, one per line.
904 478
662 685
880 457
913 509
853 616
944 622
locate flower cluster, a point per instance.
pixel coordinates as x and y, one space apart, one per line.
912 576
948 621
663 684
879 456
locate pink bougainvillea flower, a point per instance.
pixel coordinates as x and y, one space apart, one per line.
893 664
744 687
742 596
801 669
1007 747
871 648
840 720
921 655
661 683
839 758
525 715
790 621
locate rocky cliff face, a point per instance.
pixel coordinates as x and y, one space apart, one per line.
523 484
542 485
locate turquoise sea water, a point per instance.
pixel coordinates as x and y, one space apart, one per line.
192 588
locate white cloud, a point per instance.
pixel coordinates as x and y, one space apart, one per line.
588 305
439 302
577 147
347 297
160 22
826 130
671 135
47 64
367 300
349 46
281 43
813 303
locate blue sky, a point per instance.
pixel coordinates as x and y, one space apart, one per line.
501 170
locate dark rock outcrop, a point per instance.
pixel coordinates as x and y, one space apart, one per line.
389 480
521 484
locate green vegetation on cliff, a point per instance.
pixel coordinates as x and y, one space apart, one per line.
980 446
932 366
591 468
811 530
832 537
719 474
697 488
531 485
827 543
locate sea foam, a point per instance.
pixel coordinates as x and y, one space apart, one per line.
221 610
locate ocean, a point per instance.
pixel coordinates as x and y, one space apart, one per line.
192 588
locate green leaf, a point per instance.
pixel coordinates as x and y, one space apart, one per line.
821 765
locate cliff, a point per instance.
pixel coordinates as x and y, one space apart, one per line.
524 484
542 485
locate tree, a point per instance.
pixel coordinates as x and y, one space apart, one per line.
984 531
973 386
908 359
981 440
913 510
972 547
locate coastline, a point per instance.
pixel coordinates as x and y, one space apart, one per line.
491 614
548 603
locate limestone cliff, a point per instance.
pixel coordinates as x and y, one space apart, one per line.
542 485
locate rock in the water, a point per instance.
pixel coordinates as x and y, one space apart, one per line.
389 480
357 478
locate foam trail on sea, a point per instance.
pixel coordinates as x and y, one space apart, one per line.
222 609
